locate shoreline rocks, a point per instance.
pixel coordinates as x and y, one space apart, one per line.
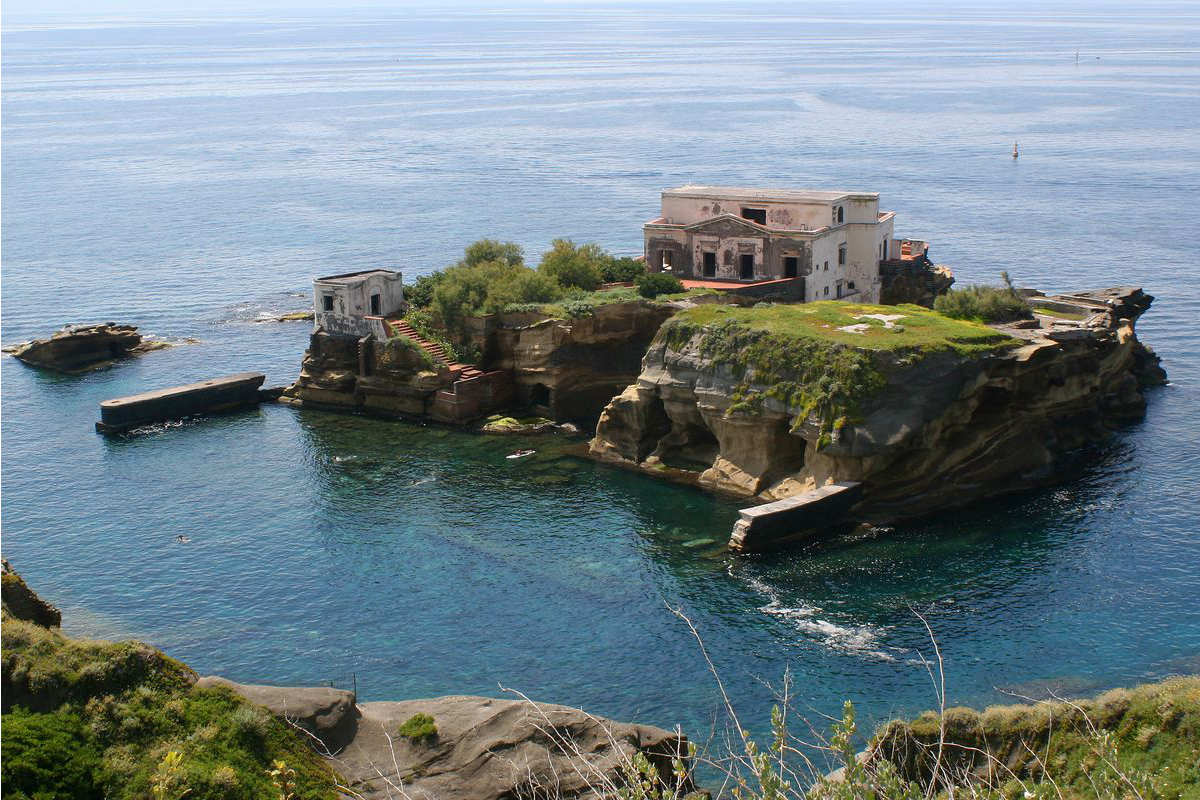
74 349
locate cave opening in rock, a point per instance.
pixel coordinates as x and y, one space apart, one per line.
539 395
689 446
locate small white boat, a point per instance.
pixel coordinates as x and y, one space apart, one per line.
521 454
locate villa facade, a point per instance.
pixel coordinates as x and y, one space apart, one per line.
832 241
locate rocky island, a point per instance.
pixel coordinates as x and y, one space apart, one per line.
924 411
78 348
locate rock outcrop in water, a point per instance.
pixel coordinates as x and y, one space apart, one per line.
78 348
928 413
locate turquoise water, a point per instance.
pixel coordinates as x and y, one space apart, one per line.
192 174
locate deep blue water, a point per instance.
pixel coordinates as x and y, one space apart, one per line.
191 174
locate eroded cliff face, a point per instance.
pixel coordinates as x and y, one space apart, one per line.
570 368
567 369
940 428
388 377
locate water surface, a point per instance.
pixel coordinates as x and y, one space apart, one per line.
192 174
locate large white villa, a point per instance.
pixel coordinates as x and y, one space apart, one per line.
832 241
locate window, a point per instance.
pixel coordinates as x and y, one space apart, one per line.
327 302
883 249
758 215
841 215
710 264
665 256
827 266
842 256
791 266
850 285
827 291
747 266
376 305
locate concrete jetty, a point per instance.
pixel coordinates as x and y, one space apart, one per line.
218 394
793 517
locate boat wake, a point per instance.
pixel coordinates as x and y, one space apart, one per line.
861 640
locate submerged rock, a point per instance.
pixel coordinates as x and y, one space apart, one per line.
929 414
476 748
77 348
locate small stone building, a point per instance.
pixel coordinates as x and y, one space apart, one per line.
832 240
343 304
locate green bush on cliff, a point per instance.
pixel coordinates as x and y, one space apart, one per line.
652 284
623 270
985 303
107 713
570 265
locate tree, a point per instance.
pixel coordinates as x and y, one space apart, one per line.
490 250
575 266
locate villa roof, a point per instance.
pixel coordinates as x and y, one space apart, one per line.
759 194
353 277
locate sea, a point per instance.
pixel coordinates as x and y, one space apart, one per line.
191 172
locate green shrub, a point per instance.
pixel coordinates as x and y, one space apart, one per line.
569 265
984 303
418 727
579 308
48 756
120 707
624 269
490 250
419 293
652 284
521 287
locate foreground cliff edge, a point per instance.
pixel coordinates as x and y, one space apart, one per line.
924 411
121 720
89 719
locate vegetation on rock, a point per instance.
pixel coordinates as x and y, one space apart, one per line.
820 360
652 284
86 719
984 303
418 728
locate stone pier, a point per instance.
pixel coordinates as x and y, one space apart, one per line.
793 517
218 394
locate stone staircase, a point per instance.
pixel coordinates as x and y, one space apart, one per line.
462 372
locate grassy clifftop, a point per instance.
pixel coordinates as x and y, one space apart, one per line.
821 360
1142 742
857 325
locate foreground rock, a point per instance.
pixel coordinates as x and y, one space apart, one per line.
78 348
483 749
927 413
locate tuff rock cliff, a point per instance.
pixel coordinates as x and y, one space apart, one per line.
566 368
926 412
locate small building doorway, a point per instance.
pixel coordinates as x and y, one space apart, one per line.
375 305
710 264
747 271
791 266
